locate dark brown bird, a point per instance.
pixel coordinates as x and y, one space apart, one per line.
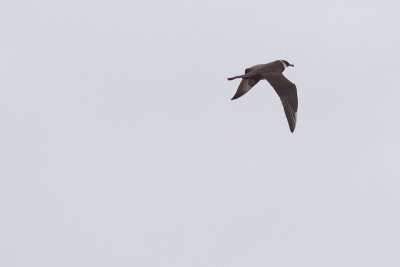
272 72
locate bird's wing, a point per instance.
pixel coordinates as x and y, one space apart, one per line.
245 86
288 94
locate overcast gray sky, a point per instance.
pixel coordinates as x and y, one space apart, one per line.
119 145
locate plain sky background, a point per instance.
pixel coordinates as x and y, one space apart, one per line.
119 145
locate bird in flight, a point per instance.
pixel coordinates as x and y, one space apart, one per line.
272 72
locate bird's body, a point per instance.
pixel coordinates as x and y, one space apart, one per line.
272 72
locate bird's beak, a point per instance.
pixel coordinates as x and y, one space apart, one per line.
291 65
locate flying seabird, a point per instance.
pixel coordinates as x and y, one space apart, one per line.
272 72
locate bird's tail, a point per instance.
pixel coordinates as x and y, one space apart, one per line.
235 77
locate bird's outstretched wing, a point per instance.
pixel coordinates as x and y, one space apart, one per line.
246 84
288 94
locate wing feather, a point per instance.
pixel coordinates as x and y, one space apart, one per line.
252 79
287 92
245 86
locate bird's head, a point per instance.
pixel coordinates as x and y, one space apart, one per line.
286 64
